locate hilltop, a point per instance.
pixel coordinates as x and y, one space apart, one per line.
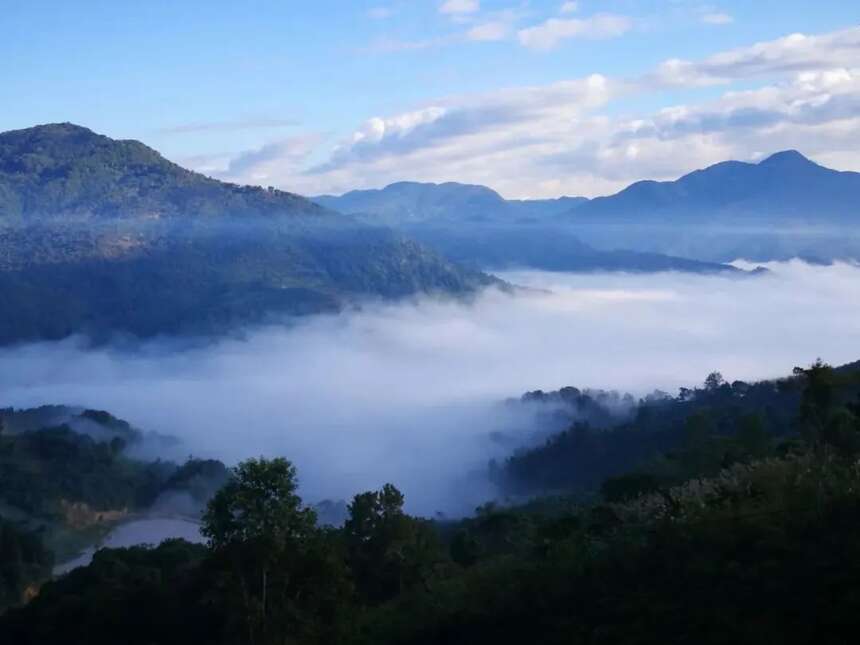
99 236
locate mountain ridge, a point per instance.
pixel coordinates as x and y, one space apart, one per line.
104 237
784 185
474 225
430 201
66 169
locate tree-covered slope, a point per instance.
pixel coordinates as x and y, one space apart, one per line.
101 236
762 547
660 437
66 170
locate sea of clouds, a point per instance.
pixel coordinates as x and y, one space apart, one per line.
409 392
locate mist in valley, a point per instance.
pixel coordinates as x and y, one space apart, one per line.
412 393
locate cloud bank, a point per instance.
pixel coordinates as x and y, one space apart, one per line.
580 136
409 392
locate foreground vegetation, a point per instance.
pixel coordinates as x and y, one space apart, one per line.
66 478
764 547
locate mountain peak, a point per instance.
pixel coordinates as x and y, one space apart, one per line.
786 157
69 143
50 131
64 169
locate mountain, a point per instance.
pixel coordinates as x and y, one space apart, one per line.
407 202
786 185
64 170
100 236
474 225
783 207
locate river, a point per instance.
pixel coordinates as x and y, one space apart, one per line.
147 530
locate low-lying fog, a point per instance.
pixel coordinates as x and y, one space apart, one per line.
407 392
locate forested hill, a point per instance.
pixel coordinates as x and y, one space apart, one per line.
68 475
66 170
662 438
104 237
760 544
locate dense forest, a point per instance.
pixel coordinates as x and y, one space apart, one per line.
666 437
739 525
66 478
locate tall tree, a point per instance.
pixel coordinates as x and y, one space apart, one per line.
254 520
387 550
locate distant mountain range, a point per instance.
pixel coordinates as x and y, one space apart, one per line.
474 225
785 206
105 236
407 203
786 187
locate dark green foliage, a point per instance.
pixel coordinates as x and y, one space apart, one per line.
258 505
24 560
623 488
69 488
282 574
200 478
734 559
736 550
699 431
136 596
782 578
39 469
387 551
828 418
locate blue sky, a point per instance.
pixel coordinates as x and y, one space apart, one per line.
533 98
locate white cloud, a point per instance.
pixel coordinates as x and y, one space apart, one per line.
544 141
550 33
792 53
264 165
457 7
569 7
717 19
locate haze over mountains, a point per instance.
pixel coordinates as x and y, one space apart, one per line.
785 186
105 236
783 207
410 202
474 225
102 236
